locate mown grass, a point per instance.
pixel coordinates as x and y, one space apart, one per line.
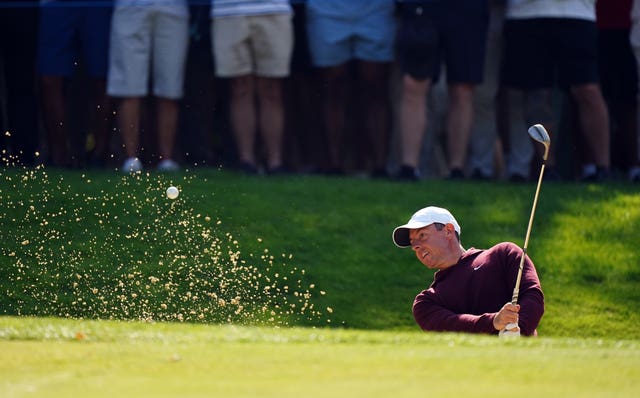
55 358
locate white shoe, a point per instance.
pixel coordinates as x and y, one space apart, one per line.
168 165
131 166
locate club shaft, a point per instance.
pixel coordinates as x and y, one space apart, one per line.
516 289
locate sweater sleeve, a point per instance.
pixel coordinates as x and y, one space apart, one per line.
432 315
531 299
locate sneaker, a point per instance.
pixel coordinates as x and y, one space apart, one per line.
408 173
600 174
132 166
478 175
168 166
456 174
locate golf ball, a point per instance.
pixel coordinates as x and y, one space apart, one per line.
172 192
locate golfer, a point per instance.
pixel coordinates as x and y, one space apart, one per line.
472 288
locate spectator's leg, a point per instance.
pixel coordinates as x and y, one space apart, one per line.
271 119
374 94
484 134
513 130
167 117
335 93
243 118
594 121
53 104
129 124
100 120
459 119
413 119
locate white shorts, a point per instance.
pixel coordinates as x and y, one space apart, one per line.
257 44
140 36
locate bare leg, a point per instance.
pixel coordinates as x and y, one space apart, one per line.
167 114
271 119
374 94
594 121
459 119
243 117
100 119
413 119
55 119
335 81
129 124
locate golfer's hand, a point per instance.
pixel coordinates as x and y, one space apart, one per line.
507 314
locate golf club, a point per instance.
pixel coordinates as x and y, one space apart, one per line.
539 134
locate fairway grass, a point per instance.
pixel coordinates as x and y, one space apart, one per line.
49 357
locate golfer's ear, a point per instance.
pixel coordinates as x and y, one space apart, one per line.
450 228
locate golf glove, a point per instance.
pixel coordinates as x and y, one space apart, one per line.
512 329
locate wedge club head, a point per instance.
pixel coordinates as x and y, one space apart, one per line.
539 133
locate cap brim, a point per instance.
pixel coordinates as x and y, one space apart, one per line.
401 234
401 237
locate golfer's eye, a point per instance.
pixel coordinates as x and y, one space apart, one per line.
418 239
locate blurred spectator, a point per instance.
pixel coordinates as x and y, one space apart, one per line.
149 39
484 131
252 44
358 34
433 32
619 81
18 41
71 35
550 42
499 140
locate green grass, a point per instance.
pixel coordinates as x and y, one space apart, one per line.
294 284
99 245
56 358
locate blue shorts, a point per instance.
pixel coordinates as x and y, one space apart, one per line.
453 32
540 52
334 41
70 34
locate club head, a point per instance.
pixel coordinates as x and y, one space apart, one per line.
539 133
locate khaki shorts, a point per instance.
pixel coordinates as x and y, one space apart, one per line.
134 47
257 44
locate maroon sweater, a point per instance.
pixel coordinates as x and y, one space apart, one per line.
466 296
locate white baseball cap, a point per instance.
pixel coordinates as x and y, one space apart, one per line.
420 219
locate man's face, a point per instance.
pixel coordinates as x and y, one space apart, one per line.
431 246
